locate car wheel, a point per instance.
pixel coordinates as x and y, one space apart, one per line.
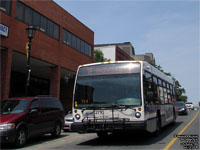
21 137
57 130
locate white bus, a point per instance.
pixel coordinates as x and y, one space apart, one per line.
122 96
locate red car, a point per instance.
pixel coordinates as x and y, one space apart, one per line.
23 118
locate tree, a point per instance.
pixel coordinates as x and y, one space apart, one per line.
99 57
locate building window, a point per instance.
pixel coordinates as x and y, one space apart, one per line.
64 36
5 6
56 31
86 49
33 18
90 51
73 42
36 19
76 43
43 24
50 28
82 46
69 39
20 11
28 16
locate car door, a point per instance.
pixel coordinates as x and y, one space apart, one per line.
47 114
34 121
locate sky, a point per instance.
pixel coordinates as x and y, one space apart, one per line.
170 29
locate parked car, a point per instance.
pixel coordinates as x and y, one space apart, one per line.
182 109
68 121
189 105
23 118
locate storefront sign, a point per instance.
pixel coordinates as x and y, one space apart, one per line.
3 30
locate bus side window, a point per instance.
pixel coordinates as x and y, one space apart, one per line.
148 87
156 89
161 92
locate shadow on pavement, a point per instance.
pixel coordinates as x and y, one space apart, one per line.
33 141
132 138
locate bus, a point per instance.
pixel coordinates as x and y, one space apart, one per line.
120 96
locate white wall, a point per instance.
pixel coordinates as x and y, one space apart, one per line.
108 51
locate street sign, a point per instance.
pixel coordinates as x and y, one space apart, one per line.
3 30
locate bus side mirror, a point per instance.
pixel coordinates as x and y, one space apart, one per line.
150 96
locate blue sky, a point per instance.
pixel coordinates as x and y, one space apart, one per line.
169 29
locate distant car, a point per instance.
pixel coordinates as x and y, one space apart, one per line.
23 118
68 121
189 105
182 109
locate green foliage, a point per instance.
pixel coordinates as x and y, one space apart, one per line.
99 57
179 90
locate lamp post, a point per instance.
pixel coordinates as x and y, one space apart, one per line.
30 31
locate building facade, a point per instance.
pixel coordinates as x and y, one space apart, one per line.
114 52
61 43
146 57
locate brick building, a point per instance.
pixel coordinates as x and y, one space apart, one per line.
60 45
148 57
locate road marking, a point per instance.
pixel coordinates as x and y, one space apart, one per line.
172 141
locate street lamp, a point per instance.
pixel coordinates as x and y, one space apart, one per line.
30 32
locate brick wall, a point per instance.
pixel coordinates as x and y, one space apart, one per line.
43 46
121 55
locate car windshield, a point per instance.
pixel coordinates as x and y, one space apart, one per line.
188 102
181 104
108 90
13 106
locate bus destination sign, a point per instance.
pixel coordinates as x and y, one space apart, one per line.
105 69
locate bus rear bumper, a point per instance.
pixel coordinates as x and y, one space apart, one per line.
109 127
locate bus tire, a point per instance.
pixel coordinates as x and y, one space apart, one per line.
102 134
158 127
174 118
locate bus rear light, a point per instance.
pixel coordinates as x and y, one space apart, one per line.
75 111
139 109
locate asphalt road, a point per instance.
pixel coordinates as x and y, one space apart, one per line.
189 136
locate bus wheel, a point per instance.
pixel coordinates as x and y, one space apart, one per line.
174 119
102 134
158 127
